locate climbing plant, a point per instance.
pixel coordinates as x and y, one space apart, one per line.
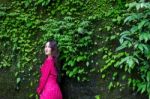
132 55
25 31
73 37
79 27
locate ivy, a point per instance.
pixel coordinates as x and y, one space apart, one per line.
79 27
73 36
132 54
23 35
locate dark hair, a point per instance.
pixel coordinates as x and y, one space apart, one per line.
54 50
55 54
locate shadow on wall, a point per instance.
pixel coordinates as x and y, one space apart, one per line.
8 86
4 1
88 90
71 89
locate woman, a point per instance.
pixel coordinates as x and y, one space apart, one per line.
48 86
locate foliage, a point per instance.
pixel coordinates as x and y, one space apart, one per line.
97 97
73 37
24 31
20 51
42 3
132 55
80 27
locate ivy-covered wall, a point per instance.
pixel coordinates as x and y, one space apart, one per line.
87 32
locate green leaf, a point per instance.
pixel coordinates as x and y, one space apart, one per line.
71 63
80 58
80 30
134 29
144 36
130 62
148 76
121 47
18 80
75 70
141 87
87 64
129 81
108 28
141 24
97 97
81 71
78 78
39 1
131 5
103 75
123 77
71 74
130 18
110 85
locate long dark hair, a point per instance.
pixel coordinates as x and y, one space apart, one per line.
55 55
54 50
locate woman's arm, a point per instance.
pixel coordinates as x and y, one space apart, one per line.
45 73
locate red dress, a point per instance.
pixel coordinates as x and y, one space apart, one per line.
48 87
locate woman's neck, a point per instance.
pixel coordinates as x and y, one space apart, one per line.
49 56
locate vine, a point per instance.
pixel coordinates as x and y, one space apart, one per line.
79 27
23 34
132 54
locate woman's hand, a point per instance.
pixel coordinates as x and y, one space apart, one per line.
38 91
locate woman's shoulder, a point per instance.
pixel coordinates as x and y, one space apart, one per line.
49 58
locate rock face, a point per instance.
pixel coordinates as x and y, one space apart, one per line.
71 89
7 83
88 90
8 89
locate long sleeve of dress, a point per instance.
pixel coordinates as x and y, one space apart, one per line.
45 71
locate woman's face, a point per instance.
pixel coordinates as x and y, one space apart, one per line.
47 49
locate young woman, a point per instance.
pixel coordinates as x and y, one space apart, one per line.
48 87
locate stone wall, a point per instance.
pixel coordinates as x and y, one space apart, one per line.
71 89
96 86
